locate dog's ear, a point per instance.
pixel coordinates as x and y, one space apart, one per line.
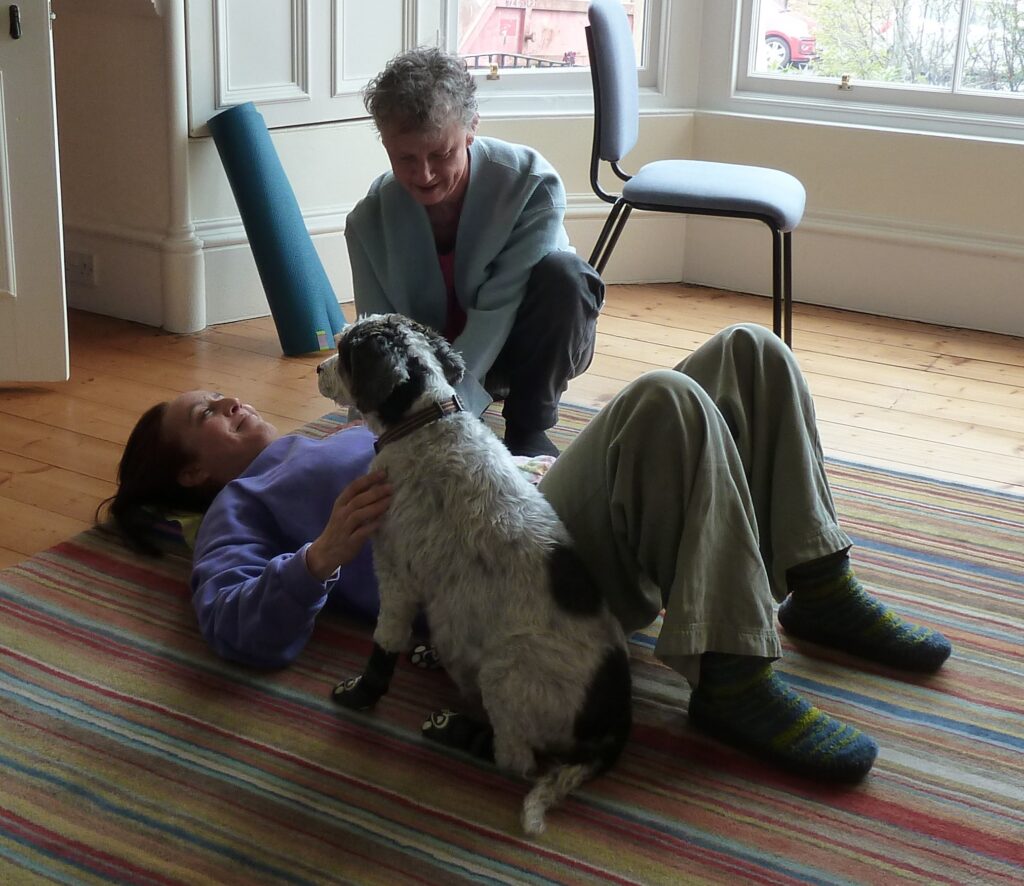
451 361
376 368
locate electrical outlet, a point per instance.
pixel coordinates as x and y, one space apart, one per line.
80 268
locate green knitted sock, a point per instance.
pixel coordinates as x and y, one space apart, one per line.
836 611
743 702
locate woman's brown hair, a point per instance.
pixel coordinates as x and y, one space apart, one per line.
147 482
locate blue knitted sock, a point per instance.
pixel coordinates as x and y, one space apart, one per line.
743 702
837 611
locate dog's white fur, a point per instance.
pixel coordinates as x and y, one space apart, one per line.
472 542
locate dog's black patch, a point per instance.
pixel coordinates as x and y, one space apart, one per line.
394 407
573 587
603 725
382 378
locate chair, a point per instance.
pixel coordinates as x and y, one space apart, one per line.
692 187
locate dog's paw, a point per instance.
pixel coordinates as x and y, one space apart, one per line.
355 694
424 656
437 721
460 732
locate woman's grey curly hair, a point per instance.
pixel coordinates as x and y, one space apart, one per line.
423 89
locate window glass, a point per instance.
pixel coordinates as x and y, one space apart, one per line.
949 45
994 50
533 34
787 37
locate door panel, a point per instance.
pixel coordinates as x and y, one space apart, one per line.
299 61
33 314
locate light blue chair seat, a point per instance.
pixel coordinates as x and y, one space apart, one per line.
691 187
702 186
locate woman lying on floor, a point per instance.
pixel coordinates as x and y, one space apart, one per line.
700 491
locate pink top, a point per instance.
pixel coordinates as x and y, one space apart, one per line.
455 319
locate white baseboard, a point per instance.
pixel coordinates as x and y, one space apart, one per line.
233 287
128 279
952 278
234 291
949 277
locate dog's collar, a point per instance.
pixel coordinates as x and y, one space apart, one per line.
425 416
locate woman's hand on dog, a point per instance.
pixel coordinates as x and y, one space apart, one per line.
356 516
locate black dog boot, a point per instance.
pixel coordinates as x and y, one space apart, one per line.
460 732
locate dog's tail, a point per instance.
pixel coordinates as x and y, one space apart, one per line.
590 758
550 788
602 727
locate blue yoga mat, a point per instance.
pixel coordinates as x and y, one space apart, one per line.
302 301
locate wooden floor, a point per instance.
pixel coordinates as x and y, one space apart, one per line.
925 399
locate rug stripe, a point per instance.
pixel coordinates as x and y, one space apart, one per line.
129 752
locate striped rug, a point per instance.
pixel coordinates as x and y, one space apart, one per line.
129 753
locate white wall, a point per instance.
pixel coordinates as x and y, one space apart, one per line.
330 167
111 116
920 226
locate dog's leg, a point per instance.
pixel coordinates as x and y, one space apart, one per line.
399 606
512 754
392 636
424 656
461 732
360 693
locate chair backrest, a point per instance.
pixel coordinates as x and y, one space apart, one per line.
613 71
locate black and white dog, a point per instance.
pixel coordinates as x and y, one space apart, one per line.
515 618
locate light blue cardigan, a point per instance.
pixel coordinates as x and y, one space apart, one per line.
511 218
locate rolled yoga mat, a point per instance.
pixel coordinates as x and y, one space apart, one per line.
302 301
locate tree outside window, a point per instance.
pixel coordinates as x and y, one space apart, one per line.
955 45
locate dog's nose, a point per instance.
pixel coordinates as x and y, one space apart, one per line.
319 368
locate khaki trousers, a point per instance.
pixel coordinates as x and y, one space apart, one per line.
695 490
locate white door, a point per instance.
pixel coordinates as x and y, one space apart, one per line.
33 314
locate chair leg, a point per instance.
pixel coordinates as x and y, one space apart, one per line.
605 231
613 226
777 273
787 286
614 239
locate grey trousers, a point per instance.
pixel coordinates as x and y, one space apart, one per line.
551 341
694 491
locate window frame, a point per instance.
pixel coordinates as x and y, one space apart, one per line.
558 91
729 86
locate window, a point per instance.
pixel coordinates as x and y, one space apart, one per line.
524 49
958 58
306 62
538 34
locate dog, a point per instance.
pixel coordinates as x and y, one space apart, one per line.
517 621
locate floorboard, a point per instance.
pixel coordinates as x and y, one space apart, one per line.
914 397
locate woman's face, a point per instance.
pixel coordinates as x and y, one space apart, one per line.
221 434
432 166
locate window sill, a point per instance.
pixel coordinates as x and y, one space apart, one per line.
866 115
574 102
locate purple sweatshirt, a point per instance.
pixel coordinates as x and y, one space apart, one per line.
254 597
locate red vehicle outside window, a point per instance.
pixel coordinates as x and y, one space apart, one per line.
788 38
